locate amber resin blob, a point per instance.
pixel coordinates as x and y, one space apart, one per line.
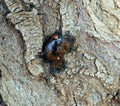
54 48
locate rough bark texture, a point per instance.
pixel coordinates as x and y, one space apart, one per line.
93 74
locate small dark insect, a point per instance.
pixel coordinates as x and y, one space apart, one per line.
54 48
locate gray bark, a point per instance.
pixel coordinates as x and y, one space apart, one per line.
93 73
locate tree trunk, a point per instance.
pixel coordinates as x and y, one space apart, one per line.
92 76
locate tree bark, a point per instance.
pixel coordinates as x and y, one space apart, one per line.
92 76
